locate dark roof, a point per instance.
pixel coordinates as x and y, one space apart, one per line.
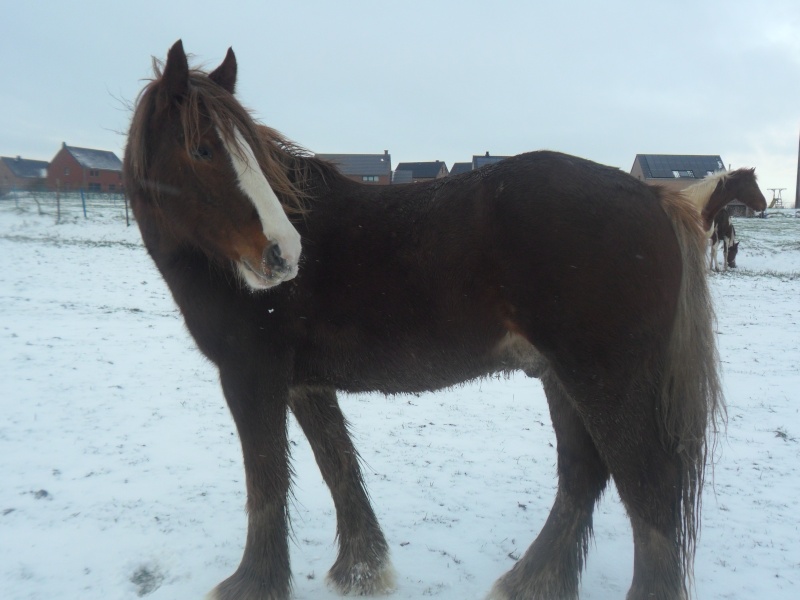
690 166
402 176
458 168
423 170
25 167
95 159
361 164
486 159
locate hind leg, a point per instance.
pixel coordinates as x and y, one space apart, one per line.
649 483
362 566
650 479
550 569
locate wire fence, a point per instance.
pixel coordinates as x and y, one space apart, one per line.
68 206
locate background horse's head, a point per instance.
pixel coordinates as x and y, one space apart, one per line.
744 185
733 250
194 163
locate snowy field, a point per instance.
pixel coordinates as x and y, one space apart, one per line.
122 477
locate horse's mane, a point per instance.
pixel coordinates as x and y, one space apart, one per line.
286 165
699 193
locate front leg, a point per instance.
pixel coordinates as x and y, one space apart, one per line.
258 406
714 265
362 567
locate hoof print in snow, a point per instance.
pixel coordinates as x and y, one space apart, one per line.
147 580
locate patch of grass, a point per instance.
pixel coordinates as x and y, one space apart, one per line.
147 579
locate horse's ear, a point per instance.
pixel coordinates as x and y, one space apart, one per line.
175 79
225 74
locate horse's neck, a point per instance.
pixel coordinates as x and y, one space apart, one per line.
719 198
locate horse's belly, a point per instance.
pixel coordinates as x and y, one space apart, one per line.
401 368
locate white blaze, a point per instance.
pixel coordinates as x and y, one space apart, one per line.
274 222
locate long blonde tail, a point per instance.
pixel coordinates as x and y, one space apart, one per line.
693 406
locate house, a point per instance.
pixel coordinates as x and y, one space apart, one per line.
461 167
74 169
21 174
424 171
486 159
675 171
399 176
478 161
364 168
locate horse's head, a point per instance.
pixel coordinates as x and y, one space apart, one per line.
733 250
746 189
194 162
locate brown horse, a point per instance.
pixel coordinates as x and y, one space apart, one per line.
716 191
569 270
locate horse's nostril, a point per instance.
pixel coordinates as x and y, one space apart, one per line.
273 258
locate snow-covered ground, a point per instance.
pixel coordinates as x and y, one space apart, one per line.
121 470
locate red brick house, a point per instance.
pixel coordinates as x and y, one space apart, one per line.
74 169
19 173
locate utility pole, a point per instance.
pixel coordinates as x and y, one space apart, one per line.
797 186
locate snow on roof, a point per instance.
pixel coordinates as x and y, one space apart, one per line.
95 159
25 167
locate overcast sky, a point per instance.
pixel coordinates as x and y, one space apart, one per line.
432 79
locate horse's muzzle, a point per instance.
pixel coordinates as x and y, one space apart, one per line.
272 269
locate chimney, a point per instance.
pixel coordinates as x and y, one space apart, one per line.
487 153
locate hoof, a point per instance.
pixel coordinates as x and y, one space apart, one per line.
363 580
238 587
509 587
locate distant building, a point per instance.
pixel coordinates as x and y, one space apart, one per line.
486 159
675 171
74 169
400 176
478 161
461 167
364 168
21 174
424 171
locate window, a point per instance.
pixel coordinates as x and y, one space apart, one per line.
95 188
66 170
94 173
679 174
112 188
370 178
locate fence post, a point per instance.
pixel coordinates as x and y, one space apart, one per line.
125 200
83 201
58 203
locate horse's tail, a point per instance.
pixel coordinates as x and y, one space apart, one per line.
693 407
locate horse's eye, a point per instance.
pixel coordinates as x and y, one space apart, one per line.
202 153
